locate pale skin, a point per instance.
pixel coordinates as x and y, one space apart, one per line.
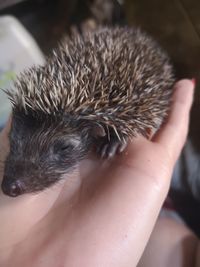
103 214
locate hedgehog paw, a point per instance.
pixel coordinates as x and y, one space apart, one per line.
110 149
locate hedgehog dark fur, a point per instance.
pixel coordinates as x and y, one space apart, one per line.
99 88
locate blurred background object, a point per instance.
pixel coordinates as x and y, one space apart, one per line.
18 51
7 3
176 25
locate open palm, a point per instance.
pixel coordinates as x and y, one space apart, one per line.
104 213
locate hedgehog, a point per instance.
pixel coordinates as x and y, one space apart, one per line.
97 90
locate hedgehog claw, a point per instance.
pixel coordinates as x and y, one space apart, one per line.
109 150
104 150
122 147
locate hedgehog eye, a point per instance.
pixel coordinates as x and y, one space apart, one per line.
62 147
66 147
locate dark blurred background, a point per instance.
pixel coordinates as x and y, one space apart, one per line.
175 24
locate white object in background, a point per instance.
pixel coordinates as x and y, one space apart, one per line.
18 50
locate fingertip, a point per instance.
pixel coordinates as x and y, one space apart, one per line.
185 82
184 91
193 81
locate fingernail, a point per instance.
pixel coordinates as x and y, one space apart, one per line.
193 80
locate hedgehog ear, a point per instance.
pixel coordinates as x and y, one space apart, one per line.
98 130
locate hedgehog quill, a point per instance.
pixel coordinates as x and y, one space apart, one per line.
97 89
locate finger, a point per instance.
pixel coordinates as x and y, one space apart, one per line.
174 132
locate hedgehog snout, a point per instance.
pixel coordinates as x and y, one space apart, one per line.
12 188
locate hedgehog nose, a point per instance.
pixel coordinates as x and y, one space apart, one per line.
12 188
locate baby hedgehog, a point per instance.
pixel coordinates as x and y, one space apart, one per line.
100 88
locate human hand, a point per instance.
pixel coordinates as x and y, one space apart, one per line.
105 213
